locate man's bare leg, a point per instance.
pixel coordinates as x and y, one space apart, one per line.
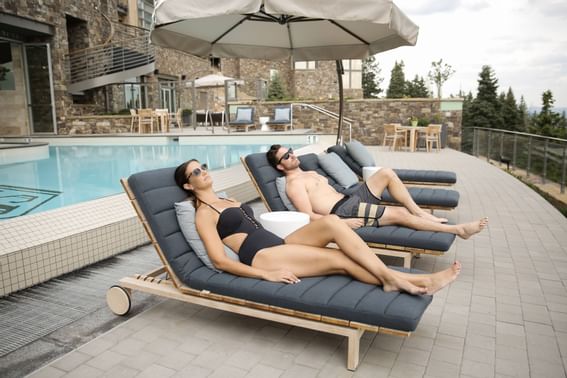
387 178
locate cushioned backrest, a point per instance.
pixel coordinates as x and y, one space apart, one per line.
244 114
265 176
156 193
310 162
282 113
343 153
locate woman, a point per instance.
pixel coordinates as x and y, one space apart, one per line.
301 254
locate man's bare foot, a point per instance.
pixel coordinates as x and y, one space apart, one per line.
432 218
403 285
441 279
466 230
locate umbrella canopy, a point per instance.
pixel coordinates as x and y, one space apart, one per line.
213 80
277 29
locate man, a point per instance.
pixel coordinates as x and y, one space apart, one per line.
311 193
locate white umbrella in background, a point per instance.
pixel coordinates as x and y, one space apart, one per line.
277 29
214 80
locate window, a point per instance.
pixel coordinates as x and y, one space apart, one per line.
215 63
306 65
145 11
274 74
6 68
352 78
134 94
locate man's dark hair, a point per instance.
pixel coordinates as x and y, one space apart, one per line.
271 155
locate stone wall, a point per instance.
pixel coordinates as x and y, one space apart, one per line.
13 102
95 125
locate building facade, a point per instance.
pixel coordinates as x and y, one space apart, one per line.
63 60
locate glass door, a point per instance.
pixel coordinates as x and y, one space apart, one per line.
167 96
41 106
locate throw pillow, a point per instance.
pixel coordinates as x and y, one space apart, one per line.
360 154
185 212
280 186
243 115
338 169
282 115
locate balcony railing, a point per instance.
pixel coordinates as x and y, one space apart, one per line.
537 155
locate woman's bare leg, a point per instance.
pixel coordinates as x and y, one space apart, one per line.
332 229
387 178
402 217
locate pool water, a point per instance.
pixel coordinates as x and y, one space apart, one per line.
74 174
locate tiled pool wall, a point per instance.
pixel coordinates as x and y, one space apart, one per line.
35 248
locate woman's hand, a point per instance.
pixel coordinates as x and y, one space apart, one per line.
281 275
354 223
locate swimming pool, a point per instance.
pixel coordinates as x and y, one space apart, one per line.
78 173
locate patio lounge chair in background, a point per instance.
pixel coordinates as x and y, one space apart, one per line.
244 118
408 176
282 118
395 241
332 304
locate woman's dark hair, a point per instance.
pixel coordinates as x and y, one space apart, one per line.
271 155
181 175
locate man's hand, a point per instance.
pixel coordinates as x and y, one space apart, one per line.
281 275
354 223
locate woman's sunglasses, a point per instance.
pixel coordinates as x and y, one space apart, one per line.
197 171
286 155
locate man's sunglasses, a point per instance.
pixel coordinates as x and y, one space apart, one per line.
286 155
197 171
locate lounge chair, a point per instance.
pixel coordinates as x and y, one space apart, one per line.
282 118
386 240
408 176
332 304
244 119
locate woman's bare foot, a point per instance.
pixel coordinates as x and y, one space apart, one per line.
431 217
466 230
441 279
396 284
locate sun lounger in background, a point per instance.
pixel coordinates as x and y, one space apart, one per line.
395 241
244 119
332 304
282 118
408 176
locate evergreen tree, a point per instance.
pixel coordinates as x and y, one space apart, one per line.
396 89
276 91
467 116
547 122
523 115
416 88
510 112
371 79
439 74
484 109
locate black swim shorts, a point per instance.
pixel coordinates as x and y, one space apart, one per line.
360 204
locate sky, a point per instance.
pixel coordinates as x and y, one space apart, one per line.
524 41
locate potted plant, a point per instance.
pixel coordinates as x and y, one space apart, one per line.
186 116
413 120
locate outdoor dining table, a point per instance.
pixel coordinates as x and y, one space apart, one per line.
413 132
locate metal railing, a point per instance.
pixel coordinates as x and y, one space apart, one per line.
347 121
120 54
538 155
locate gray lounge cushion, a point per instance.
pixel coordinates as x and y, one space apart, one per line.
185 211
280 185
360 153
334 166
343 154
336 296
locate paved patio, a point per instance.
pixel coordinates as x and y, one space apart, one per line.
505 316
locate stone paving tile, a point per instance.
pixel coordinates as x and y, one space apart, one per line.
47 372
263 371
155 370
71 361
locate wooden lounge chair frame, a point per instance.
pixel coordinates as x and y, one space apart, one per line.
405 253
119 299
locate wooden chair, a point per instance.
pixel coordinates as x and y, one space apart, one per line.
282 118
134 120
244 119
433 136
145 118
393 135
162 117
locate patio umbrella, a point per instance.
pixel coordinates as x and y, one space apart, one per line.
213 80
277 29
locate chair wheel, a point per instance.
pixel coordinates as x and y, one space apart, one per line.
118 299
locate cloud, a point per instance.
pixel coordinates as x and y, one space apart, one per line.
427 7
550 8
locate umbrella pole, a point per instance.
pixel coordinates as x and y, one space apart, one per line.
340 72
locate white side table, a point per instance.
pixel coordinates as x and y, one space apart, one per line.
263 122
369 171
283 223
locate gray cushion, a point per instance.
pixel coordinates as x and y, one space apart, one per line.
336 296
185 212
360 153
280 185
243 115
281 115
343 154
337 168
426 176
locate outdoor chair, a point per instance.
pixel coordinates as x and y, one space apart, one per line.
146 120
134 120
244 119
282 118
395 241
334 304
394 136
408 176
433 136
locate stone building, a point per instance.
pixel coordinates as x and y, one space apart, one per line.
61 61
